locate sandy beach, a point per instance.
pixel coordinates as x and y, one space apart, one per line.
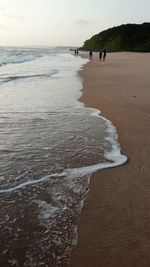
114 230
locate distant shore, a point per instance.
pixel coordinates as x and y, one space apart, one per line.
115 222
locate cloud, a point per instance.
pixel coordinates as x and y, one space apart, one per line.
13 16
2 26
2 8
83 22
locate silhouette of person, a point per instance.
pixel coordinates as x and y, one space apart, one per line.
76 52
100 55
104 54
91 54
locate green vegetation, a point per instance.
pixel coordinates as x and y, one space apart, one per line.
126 37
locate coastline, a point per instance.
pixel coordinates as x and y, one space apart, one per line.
114 228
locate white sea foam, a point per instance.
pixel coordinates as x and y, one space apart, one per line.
29 184
114 156
46 211
2 178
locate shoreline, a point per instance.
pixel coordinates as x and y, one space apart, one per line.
117 205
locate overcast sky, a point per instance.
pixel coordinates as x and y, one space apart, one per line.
65 22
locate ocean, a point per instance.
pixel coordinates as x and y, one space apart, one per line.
50 144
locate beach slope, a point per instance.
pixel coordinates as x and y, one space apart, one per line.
114 230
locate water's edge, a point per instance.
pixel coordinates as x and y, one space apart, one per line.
55 211
118 158
115 157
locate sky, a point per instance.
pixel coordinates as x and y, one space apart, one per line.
64 22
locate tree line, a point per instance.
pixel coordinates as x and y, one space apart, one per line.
126 37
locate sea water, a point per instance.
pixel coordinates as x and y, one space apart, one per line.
50 144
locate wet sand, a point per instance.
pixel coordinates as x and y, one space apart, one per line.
114 230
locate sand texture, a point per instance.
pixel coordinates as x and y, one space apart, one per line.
114 230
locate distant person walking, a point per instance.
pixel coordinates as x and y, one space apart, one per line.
104 54
91 54
100 55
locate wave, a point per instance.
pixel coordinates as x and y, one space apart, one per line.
114 157
76 172
18 77
21 55
15 62
19 61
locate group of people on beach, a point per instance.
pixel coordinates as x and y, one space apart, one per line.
102 54
76 52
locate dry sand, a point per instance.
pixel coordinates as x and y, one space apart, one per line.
114 230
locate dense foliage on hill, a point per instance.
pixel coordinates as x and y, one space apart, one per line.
126 37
